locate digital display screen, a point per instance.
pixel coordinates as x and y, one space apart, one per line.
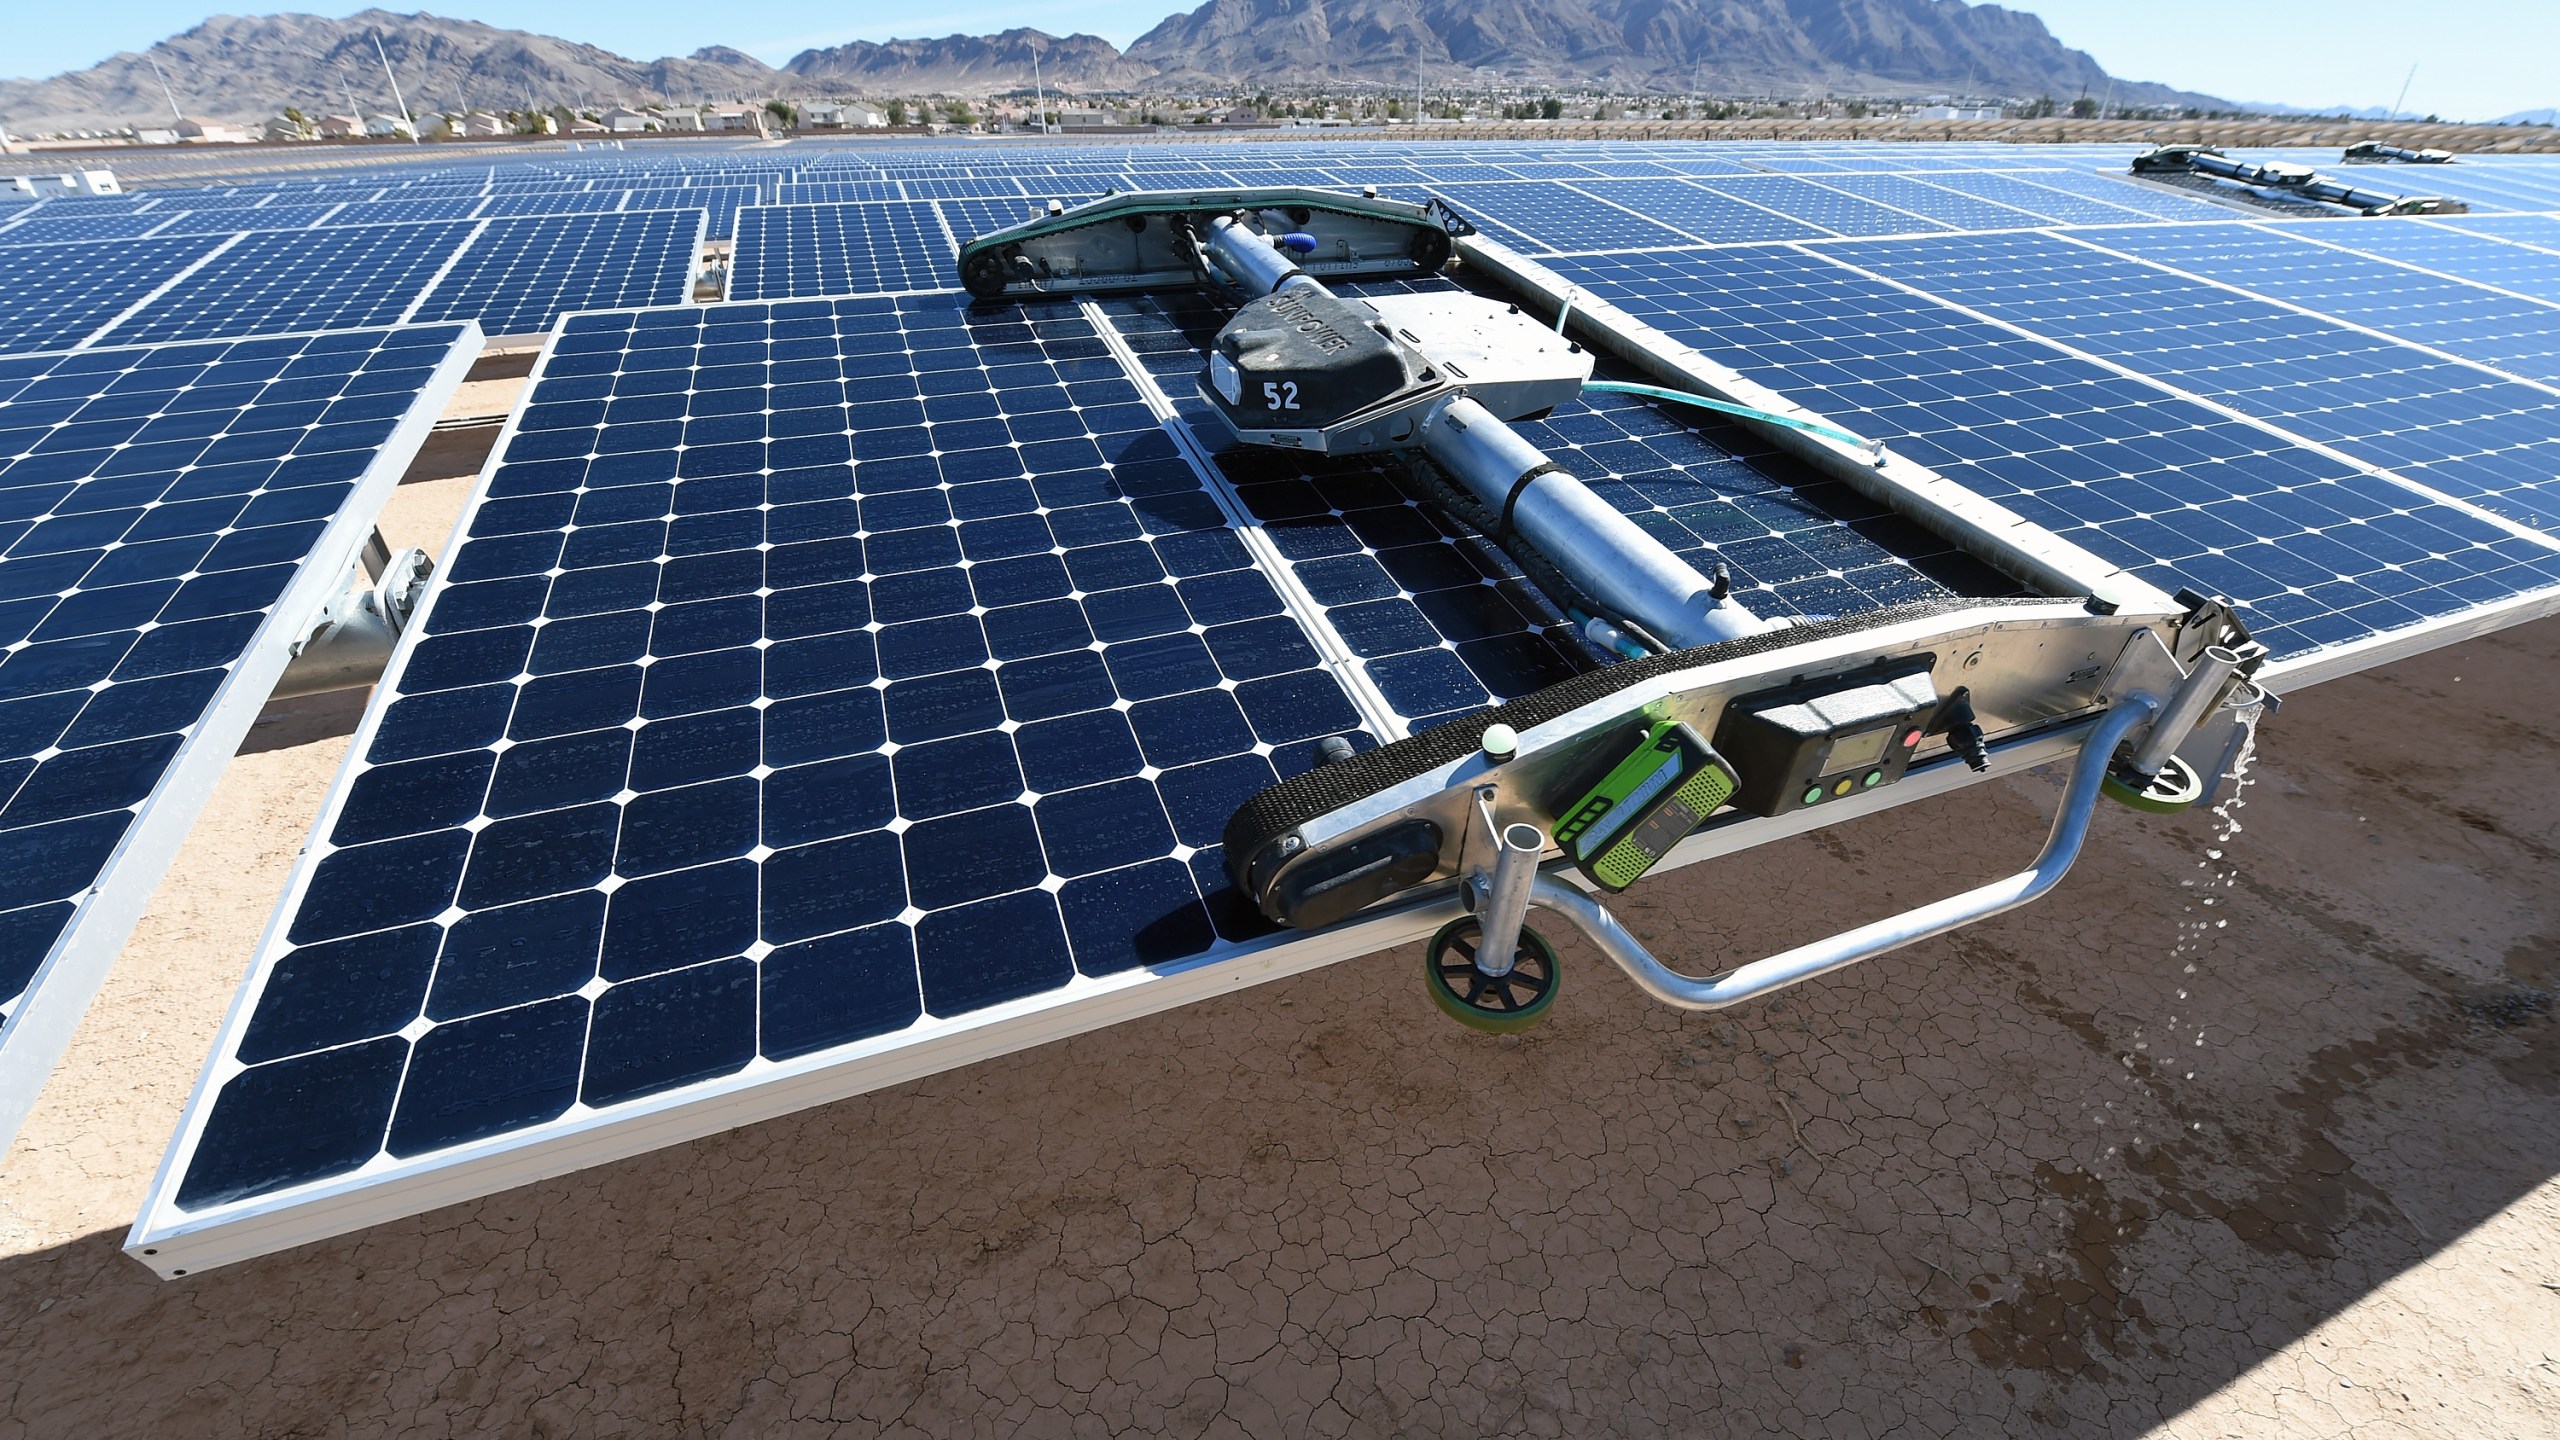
1851 752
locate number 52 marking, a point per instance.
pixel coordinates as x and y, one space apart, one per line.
1279 394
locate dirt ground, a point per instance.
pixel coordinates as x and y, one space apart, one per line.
2247 1134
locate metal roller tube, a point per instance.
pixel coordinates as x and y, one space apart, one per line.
2194 696
1249 260
1607 554
1506 901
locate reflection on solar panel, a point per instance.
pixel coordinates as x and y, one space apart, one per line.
2470 433
2296 264
2321 552
732 764
322 279
517 276
785 251
1836 211
1552 217
225 221
53 297
160 507
2491 255
1706 214
59 229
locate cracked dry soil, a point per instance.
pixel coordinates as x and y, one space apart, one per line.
2099 1167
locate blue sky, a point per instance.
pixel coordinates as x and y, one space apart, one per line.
2476 59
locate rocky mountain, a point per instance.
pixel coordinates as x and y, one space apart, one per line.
973 62
1870 47
246 69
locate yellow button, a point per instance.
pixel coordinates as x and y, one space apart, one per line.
1844 787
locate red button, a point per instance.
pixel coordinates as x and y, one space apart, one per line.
1911 741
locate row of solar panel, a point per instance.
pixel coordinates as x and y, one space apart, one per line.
514 276
720 203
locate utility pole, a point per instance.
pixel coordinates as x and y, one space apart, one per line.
405 117
1039 92
2110 102
174 112
2404 94
1417 70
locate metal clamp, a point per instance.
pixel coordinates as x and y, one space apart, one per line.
1748 982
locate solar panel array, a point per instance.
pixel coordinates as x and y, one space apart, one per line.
845 673
157 508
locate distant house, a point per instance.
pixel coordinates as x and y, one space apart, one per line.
629 122
154 135
1960 112
821 114
198 132
341 127
387 126
737 117
1240 115
480 123
687 120
584 126
542 123
1088 116
864 116
285 127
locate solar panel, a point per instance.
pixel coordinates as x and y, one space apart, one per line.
1551 217
748 770
2473 434
2297 265
1915 194
721 202
517 276
173 516
55 296
1702 213
228 220
2322 552
786 251
1836 211
325 278
2483 257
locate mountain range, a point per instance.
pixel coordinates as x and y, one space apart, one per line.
243 69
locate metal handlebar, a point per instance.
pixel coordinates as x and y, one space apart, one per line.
1748 982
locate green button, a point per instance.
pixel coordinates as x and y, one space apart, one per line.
1812 795
1874 778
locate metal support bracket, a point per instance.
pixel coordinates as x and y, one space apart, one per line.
347 645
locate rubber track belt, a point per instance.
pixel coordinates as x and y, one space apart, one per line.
1293 802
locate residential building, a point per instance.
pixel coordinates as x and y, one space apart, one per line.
628 122
341 127
480 123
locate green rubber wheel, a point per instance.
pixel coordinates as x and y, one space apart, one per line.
1498 1005
2177 787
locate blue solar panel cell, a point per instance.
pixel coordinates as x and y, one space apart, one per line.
1553 218
786 251
1952 208
2485 256
2320 552
2055 206
50 229
2472 434
160 506
720 202
770 753
2295 264
52 297
325 278
1701 213
519 275
1836 211
553 202
400 210
227 221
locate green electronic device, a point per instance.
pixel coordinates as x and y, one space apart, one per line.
1645 805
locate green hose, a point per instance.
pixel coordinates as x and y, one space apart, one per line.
1680 397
